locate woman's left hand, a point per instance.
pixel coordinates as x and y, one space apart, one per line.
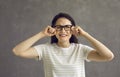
78 31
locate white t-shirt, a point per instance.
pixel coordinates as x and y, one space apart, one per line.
63 62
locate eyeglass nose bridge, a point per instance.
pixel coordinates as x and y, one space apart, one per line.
62 27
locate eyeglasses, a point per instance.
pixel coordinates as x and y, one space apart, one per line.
60 27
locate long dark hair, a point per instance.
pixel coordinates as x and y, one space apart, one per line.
73 39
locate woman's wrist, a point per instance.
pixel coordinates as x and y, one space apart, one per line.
41 34
84 34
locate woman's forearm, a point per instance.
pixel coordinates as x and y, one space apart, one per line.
28 43
101 49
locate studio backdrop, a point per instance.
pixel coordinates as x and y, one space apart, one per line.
20 19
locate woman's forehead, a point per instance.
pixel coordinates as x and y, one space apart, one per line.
63 21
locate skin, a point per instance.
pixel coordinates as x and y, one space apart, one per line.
100 54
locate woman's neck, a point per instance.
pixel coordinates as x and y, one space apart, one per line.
63 44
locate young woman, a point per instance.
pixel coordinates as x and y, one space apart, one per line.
64 56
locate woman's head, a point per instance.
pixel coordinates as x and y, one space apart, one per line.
60 21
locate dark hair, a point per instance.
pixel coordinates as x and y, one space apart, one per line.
73 39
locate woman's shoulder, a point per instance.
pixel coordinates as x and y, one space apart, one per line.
44 45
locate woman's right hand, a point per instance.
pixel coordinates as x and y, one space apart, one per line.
49 31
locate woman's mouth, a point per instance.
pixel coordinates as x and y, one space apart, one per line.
62 35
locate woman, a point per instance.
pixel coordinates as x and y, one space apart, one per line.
64 56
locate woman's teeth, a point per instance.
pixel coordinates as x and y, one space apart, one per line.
63 35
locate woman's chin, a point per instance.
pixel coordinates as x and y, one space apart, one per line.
63 40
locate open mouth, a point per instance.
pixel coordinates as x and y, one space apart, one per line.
62 35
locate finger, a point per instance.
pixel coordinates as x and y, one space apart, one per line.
78 30
52 30
72 27
47 29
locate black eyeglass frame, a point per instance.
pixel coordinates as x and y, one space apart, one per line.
60 27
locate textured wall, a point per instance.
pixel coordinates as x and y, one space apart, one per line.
20 19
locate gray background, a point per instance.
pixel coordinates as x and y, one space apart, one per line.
20 19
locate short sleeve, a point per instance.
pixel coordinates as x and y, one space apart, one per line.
39 49
86 50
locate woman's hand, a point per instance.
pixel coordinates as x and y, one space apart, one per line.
78 31
49 31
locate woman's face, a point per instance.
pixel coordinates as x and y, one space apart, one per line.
63 30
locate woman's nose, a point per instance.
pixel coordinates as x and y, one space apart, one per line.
63 29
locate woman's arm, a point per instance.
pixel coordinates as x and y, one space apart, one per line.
101 52
25 49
